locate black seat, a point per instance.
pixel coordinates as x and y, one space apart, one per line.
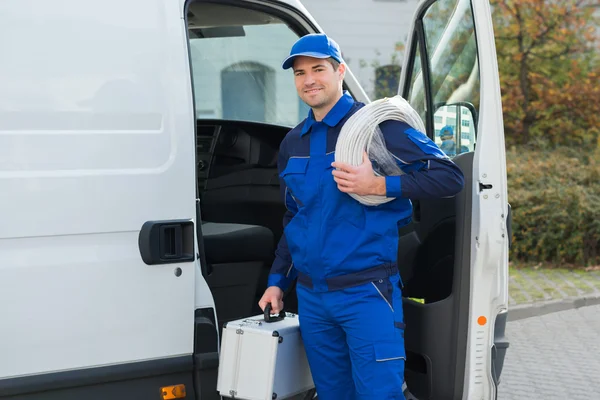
227 243
237 255
251 196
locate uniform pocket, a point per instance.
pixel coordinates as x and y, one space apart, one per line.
294 176
384 289
339 205
380 220
296 165
389 351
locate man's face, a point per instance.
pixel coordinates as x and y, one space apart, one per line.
317 83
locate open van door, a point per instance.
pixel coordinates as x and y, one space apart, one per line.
458 269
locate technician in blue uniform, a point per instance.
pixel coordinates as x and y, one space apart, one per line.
343 253
448 145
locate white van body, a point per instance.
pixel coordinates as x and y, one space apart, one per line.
103 288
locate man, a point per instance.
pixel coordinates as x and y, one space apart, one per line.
448 145
343 253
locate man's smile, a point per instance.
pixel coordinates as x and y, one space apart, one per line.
312 91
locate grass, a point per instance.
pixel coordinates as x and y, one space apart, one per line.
531 283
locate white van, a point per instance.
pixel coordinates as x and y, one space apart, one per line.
139 194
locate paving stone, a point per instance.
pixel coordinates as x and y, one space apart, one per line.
554 356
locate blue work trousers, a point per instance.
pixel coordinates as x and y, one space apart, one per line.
354 340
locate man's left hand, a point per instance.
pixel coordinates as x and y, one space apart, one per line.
360 180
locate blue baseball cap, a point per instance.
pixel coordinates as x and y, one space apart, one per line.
317 45
446 131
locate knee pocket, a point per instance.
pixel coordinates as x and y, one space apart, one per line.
389 351
384 379
383 373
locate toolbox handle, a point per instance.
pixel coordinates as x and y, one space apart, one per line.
269 318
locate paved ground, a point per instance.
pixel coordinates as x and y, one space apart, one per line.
554 356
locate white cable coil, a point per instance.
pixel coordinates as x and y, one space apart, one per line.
361 133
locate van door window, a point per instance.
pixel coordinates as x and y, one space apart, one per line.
454 79
236 57
417 86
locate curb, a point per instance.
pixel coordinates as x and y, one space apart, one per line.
542 308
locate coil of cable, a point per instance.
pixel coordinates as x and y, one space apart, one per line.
361 133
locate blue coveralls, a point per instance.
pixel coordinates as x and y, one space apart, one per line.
344 254
448 147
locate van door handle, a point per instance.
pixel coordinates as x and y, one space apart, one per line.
167 242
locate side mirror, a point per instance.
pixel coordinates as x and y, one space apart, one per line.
455 127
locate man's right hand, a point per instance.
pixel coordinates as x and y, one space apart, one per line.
273 295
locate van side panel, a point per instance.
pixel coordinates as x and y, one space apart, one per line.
96 138
142 380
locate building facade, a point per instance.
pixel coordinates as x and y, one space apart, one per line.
372 34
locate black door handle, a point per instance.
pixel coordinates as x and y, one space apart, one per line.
166 242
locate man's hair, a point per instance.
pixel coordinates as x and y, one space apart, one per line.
333 63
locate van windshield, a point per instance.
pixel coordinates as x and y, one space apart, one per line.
236 57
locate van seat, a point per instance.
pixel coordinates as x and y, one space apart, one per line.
238 255
228 243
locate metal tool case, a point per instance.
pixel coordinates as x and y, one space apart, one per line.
263 360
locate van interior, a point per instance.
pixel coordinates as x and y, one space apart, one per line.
241 210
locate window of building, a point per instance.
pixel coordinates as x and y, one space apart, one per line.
247 91
236 67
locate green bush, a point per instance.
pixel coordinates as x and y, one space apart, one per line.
555 198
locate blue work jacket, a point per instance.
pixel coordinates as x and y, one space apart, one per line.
326 232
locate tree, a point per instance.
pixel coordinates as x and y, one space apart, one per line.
387 75
549 70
